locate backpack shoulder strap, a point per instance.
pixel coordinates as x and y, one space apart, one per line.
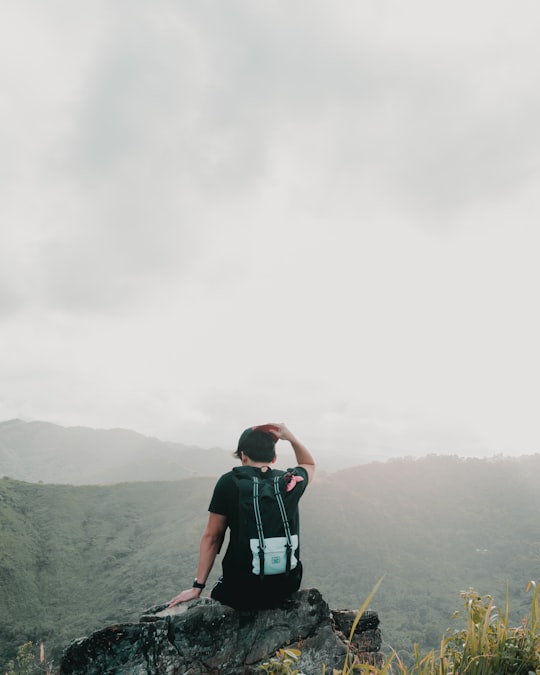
285 520
258 521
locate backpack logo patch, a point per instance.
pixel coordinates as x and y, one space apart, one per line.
274 555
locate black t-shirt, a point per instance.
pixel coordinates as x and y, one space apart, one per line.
225 502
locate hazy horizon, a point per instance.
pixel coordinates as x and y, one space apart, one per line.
326 462
219 215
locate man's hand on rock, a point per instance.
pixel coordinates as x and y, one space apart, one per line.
185 596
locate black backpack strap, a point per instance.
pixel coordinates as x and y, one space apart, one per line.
258 521
285 520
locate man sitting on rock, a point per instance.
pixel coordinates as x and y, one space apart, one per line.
259 505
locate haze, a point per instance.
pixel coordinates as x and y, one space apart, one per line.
221 214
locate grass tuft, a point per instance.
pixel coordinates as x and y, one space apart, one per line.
488 645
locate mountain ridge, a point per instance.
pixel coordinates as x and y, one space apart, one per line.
43 451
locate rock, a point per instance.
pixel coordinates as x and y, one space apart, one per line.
366 640
204 637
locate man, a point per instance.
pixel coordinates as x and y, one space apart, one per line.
243 585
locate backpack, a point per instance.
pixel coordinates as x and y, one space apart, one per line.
264 531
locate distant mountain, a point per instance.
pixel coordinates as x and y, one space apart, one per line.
41 451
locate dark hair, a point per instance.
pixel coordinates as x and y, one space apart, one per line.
259 446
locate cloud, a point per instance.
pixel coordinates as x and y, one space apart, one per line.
216 214
177 123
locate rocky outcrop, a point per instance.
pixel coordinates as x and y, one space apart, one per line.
204 637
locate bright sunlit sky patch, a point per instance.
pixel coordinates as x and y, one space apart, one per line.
217 214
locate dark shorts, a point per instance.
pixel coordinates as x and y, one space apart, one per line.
251 592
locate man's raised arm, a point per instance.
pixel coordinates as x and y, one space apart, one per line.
303 456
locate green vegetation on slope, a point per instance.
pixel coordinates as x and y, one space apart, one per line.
73 559
433 526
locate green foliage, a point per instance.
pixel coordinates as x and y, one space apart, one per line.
488 645
282 662
24 663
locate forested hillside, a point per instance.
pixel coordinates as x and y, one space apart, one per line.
433 526
73 559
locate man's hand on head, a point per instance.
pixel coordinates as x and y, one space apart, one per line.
282 432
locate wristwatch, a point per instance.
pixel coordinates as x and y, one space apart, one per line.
196 584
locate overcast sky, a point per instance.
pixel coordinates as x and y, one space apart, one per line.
216 214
